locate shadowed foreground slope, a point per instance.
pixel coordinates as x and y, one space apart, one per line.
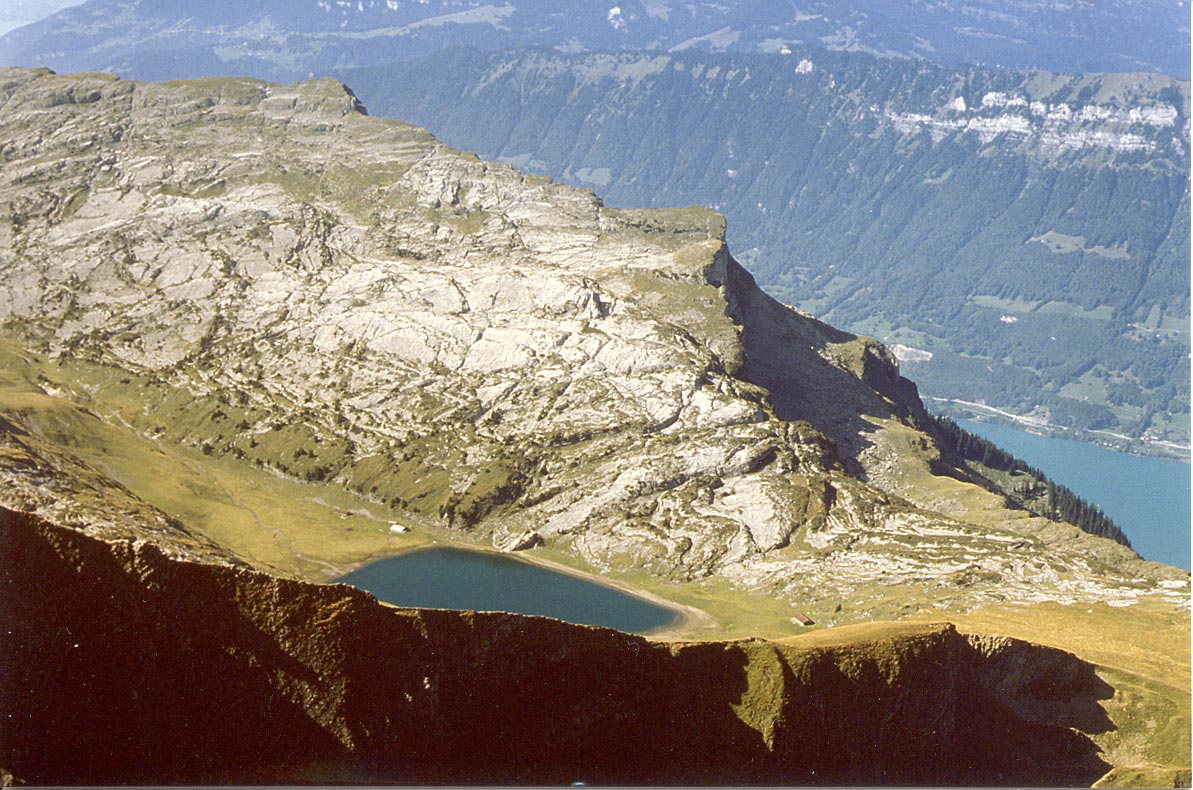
209 673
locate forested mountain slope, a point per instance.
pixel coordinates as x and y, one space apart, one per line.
1028 231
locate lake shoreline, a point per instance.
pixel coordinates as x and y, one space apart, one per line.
689 623
689 619
1147 497
1142 448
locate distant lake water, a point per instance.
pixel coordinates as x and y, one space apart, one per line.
448 578
1147 497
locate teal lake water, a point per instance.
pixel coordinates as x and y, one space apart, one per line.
446 578
1147 497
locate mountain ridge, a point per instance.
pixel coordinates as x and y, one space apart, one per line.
280 679
261 281
1020 172
290 40
958 214
394 344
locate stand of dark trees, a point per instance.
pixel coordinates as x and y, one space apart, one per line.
1054 501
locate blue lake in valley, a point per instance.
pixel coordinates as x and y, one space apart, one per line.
449 578
1147 497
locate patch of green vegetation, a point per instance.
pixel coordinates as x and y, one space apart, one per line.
1171 424
245 88
464 222
1004 305
1060 242
75 202
890 334
1024 484
1100 313
859 356
357 189
737 614
673 228
1091 386
696 310
311 530
199 189
693 258
299 185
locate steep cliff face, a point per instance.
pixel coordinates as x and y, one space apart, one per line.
343 299
205 673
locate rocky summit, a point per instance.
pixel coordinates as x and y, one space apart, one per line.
278 282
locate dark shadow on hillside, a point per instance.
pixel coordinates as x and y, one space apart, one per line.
785 353
111 678
221 674
919 712
504 699
1045 685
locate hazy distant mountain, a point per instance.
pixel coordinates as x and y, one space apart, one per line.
288 39
18 13
1023 236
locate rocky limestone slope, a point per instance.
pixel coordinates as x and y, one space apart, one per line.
964 214
342 298
206 673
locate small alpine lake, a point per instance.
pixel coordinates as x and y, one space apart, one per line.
453 578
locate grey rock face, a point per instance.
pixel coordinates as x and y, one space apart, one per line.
491 349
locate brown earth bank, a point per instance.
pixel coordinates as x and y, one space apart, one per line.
122 665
